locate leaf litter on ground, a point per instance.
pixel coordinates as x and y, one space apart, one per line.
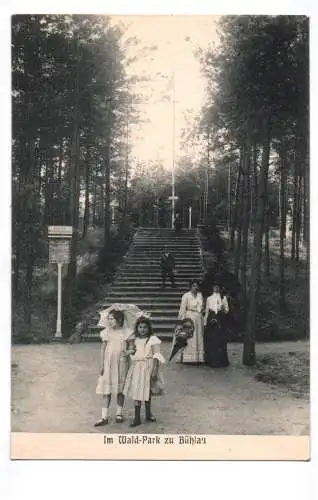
290 369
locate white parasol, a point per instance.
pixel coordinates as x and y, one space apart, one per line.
131 313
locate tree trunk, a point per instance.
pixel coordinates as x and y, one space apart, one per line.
254 188
294 212
59 171
249 357
69 310
298 215
305 206
126 171
16 272
29 240
282 234
48 207
239 216
234 221
246 218
306 176
86 209
267 252
27 303
94 205
107 201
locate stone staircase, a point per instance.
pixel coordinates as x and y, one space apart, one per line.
139 278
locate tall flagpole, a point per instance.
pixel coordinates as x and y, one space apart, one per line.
173 147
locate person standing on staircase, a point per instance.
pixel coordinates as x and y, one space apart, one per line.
178 224
167 265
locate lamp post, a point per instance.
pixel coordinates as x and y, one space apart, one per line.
229 199
206 181
173 197
190 217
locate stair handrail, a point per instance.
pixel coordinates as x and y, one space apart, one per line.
198 238
125 256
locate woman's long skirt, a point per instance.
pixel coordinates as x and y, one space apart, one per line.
194 352
215 342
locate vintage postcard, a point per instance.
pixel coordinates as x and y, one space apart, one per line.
160 237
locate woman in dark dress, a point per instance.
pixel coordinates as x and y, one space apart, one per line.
215 342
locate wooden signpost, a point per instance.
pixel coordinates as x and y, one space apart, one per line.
59 253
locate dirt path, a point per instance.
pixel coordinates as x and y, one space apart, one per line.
53 390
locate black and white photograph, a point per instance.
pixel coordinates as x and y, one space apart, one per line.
160 235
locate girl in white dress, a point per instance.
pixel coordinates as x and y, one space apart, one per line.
191 307
114 358
144 370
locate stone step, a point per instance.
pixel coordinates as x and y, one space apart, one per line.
168 305
157 292
131 298
164 320
155 273
166 236
155 282
182 259
158 251
154 265
189 238
162 240
123 289
161 243
167 231
154 278
118 295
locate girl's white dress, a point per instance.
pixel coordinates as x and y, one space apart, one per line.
138 378
115 361
191 307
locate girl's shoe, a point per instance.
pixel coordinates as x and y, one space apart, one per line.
136 420
119 419
135 423
102 421
150 418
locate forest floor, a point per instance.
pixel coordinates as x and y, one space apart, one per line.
292 322
53 390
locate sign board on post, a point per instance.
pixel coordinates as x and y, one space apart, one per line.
60 231
59 253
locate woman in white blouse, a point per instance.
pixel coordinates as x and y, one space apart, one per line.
191 307
215 343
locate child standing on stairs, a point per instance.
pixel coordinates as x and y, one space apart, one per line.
115 353
144 376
